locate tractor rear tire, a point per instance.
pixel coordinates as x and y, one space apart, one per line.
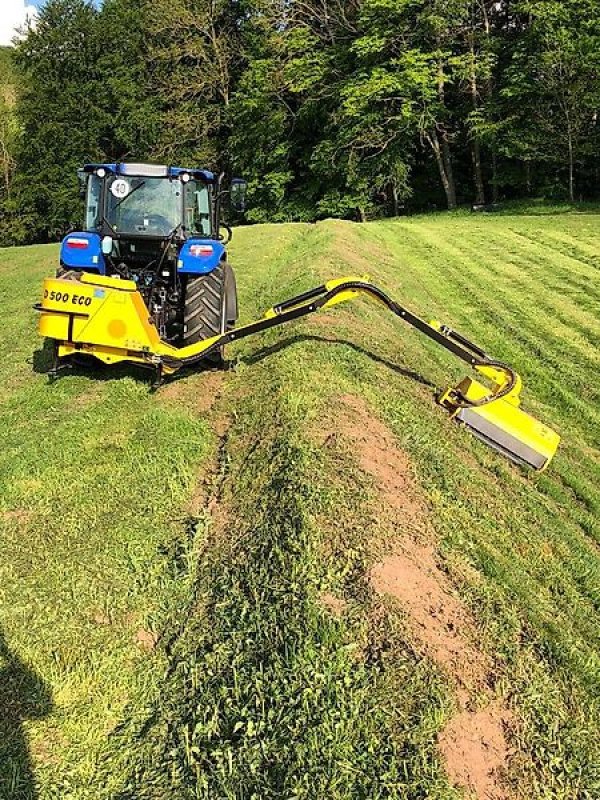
207 310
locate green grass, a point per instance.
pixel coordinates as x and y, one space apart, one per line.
253 689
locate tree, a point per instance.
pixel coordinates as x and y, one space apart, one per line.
8 122
133 115
328 107
282 107
9 131
192 55
59 113
552 91
474 67
409 45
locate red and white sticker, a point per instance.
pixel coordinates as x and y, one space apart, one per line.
77 244
201 250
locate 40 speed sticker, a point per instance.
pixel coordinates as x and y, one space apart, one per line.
120 189
66 297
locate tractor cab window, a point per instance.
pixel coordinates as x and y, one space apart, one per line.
197 209
144 206
93 214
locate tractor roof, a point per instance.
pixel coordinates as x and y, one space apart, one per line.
151 171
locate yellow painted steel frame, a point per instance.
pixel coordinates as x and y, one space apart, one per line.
499 421
107 318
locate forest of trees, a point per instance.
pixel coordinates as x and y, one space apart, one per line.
350 108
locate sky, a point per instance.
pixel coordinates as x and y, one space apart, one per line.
13 14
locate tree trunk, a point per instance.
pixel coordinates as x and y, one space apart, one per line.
451 191
444 162
442 152
476 146
478 172
495 191
571 167
6 168
395 200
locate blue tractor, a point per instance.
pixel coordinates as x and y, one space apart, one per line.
161 228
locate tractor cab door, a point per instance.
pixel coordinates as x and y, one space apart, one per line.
93 202
197 210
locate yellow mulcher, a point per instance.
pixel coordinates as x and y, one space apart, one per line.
148 282
107 318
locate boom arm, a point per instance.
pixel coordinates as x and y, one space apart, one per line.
342 290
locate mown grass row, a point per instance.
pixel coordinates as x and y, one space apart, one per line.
535 588
268 695
95 476
533 539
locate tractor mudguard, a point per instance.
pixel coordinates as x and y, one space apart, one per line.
200 256
82 250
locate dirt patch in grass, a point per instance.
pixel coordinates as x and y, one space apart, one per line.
374 448
473 743
146 639
201 393
197 392
19 516
101 618
207 501
45 751
88 398
436 617
475 750
334 604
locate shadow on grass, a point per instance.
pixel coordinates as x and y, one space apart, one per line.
510 208
92 368
88 366
23 695
540 207
42 358
273 349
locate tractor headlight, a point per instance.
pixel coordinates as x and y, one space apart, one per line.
107 245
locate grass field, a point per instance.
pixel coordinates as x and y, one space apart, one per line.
296 578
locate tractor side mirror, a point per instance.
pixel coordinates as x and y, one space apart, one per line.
237 194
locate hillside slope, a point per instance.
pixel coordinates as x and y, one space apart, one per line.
298 578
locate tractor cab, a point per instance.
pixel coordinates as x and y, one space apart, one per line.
144 200
157 226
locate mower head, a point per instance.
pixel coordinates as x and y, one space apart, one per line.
496 419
